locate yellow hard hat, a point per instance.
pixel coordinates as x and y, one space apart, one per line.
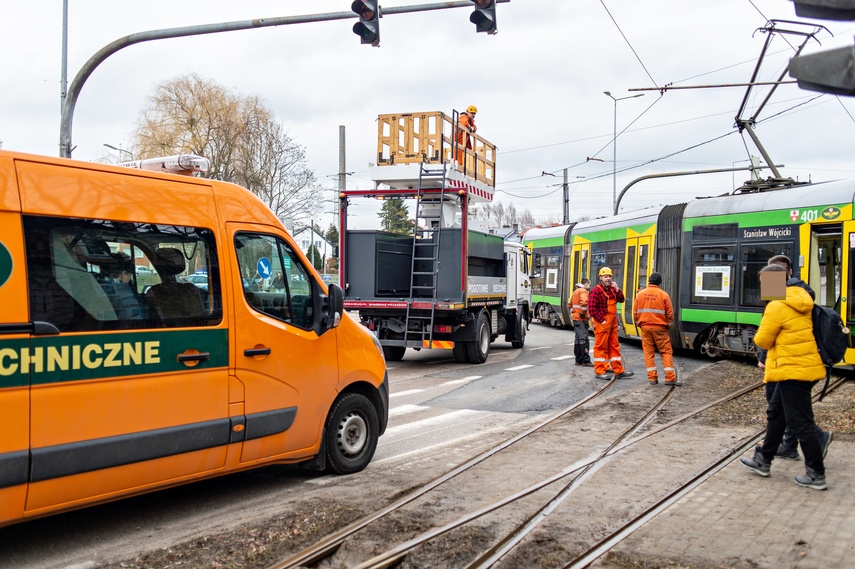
471 109
605 271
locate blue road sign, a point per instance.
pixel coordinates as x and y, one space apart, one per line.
264 267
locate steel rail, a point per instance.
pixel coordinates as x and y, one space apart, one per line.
513 538
394 555
330 544
660 506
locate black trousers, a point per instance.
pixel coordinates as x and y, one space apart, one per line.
791 405
791 441
582 345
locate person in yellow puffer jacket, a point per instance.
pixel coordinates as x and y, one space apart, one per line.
793 361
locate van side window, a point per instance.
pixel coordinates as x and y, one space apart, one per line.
91 274
275 282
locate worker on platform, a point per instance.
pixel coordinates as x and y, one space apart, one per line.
465 125
602 306
654 314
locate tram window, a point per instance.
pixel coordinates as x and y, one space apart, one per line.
614 260
713 275
643 261
713 232
754 257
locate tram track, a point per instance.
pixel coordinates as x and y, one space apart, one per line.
582 469
328 546
487 559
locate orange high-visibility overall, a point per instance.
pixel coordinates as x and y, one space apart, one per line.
653 312
606 343
466 124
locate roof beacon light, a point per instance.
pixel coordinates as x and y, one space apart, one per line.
187 164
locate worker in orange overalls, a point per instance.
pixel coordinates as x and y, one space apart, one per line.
654 314
602 306
465 125
579 307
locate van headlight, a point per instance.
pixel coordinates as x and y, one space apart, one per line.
378 344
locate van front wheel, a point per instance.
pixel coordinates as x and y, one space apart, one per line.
351 434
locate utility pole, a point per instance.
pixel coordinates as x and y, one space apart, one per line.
63 78
566 199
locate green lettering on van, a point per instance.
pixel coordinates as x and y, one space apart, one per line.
54 359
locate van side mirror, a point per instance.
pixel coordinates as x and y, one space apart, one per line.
332 309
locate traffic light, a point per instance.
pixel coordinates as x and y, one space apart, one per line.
826 71
484 16
368 26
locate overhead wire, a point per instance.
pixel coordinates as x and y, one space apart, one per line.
627 127
652 80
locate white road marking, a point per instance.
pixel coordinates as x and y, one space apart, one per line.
517 368
559 358
464 380
446 419
407 392
404 409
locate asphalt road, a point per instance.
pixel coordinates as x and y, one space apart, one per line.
435 403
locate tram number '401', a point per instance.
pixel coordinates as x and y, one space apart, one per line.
805 215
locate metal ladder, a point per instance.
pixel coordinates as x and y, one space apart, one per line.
426 244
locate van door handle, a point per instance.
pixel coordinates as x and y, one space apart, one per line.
257 352
199 357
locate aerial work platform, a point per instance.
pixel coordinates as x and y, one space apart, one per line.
407 142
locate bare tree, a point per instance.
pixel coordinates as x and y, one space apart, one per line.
238 134
527 219
511 215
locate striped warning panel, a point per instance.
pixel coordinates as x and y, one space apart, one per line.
438 344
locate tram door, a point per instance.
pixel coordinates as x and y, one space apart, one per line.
637 270
581 265
825 268
847 309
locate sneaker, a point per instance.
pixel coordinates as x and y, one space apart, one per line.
675 382
787 453
757 465
812 480
602 376
585 364
825 441
654 382
625 374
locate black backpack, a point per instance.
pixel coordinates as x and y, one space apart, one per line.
832 338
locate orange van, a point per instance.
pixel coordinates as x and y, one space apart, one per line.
120 375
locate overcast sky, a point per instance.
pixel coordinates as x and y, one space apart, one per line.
538 85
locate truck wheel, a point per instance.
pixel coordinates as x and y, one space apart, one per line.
394 353
521 325
479 349
461 352
351 434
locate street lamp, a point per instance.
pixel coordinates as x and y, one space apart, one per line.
614 145
128 152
